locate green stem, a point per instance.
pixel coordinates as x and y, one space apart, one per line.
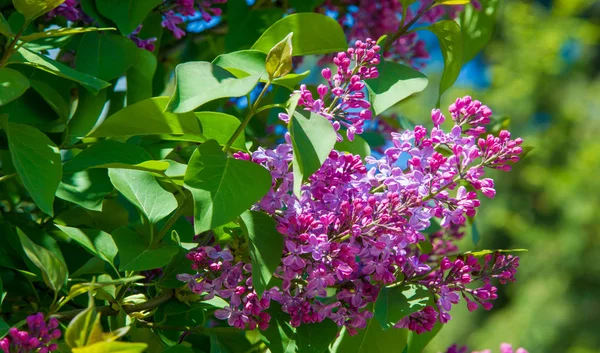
269 106
171 222
7 177
251 113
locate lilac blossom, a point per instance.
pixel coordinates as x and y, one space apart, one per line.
40 336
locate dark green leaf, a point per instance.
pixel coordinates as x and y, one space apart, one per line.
13 84
312 140
96 242
308 29
2 295
54 271
216 83
417 342
41 62
357 147
178 348
4 327
34 155
127 14
395 82
52 97
140 77
86 188
107 152
222 187
372 339
477 27
475 234
89 108
449 36
142 189
395 303
136 255
147 117
315 338
279 59
305 5
245 26
220 127
179 264
106 56
5 27
179 314
265 244
280 335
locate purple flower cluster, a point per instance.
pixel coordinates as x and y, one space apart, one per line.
354 228
183 8
343 100
504 348
39 337
377 18
147 44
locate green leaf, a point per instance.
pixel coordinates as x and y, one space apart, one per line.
312 141
179 264
291 81
52 97
32 9
265 244
142 189
477 27
2 295
61 32
89 108
279 59
54 271
178 348
84 326
147 117
5 27
357 147
416 342
308 29
449 36
280 335
315 338
34 155
86 188
397 302
179 314
372 339
475 234
107 153
452 2
106 56
140 77
112 347
482 253
96 242
222 187
395 82
216 83
305 5
4 327
220 127
13 84
243 63
136 255
41 62
127 14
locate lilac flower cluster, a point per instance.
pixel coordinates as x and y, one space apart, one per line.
70 9
504 348
377 18
40 336
354 229
183 8
343 100
148 44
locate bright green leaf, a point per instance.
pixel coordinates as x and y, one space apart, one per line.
395 82
86 188
279 59
61 32
96 242
107 152
106 56
41 62
34 155
280 335
242 63
32 9
482 253
220 127
315 338
54 271
136 255
127 14
452 2
450 38
372 339
397 302
265 245
147 117
290 81
308 29
477 27
13 85
112 347
216 83
142 189
222 187
312 141
83 326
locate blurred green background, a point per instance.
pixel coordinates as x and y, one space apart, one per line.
541 69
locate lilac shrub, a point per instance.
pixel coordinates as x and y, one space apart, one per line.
40 336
